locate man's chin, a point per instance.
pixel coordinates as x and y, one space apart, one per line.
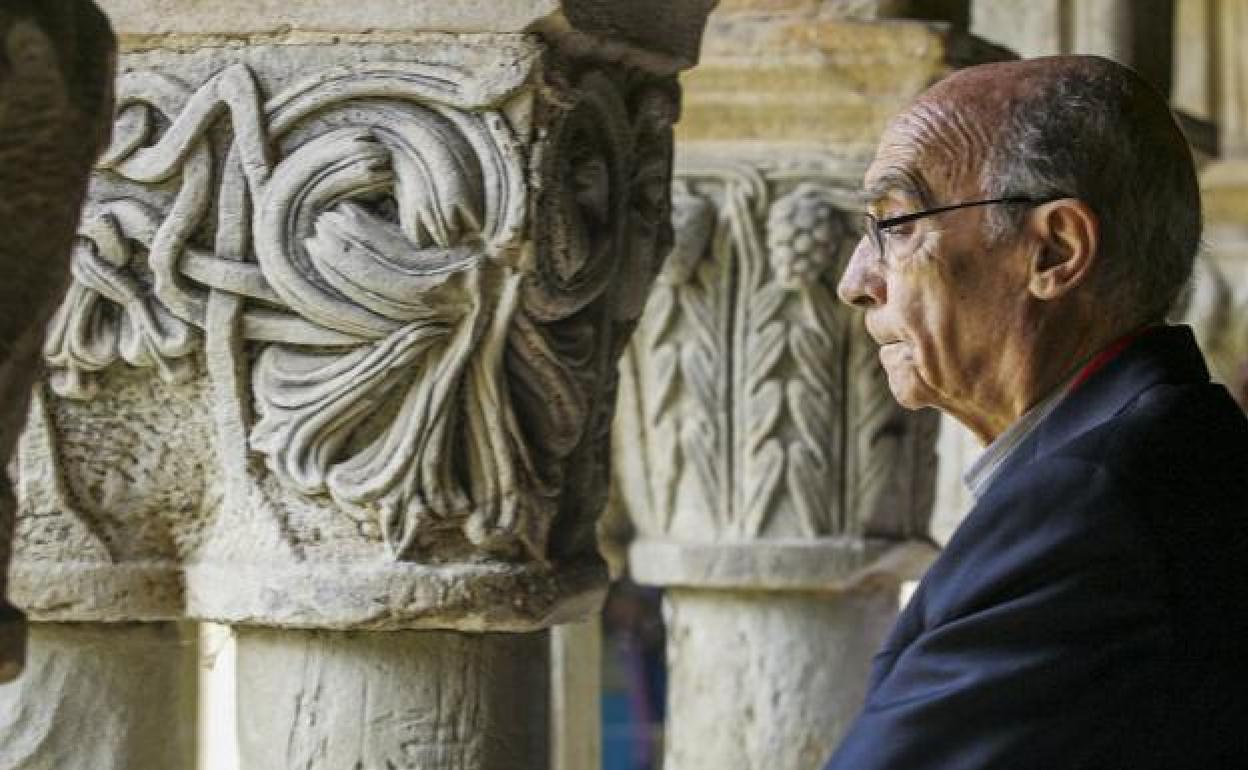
908 390
908 399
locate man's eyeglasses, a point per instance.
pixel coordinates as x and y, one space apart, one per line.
874 227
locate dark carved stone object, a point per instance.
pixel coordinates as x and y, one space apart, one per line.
56 74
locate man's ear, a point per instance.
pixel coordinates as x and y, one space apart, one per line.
1068 233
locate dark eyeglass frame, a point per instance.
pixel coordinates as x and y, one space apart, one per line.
874 226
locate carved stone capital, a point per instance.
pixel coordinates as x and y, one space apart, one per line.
757 443
340 348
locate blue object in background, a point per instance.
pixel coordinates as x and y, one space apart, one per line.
634 679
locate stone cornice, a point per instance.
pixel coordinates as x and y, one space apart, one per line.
662 36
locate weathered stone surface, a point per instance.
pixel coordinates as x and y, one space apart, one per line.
433 700
342 340
576 695
1103 27
830 566
1047 27
340 353
827 85
1224 184
1230 24
661 35
1224 188
753 411
1195 54
56 63
787 684
841 9
104 697
1134 32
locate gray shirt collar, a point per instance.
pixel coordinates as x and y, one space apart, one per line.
980 474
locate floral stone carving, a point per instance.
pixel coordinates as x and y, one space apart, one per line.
757 442
351 331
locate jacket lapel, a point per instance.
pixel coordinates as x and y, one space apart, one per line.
1168 354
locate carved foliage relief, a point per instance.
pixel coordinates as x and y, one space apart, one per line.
416 341
752 404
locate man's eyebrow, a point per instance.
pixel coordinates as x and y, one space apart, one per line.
898 180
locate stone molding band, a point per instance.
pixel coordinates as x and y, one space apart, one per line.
834 565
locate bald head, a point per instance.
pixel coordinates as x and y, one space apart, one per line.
1081 126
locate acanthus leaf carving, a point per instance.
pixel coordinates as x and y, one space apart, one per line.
770 425
805 236
680 338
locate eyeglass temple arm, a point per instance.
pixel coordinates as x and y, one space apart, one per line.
904 218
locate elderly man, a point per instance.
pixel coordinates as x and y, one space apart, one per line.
1030 225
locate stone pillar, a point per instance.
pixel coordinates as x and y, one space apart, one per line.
1195 58
1224 182
576 695
1034 28
338 363
432 699
56 63
778 491
102 696
1134 32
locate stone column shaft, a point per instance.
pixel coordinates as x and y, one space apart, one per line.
1211 83
102 697
1134 32
1195 58
436 700
791 669
1103 27
576 695
1230 26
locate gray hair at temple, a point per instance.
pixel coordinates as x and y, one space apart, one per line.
1097 131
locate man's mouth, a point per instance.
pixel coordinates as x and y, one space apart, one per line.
880 338
892 350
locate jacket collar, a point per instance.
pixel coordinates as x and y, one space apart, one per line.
1166 355
1163 355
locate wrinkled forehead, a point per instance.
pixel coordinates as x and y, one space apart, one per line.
931 153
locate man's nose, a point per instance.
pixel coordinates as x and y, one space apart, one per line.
862 284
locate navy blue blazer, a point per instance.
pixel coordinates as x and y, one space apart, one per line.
1092 609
